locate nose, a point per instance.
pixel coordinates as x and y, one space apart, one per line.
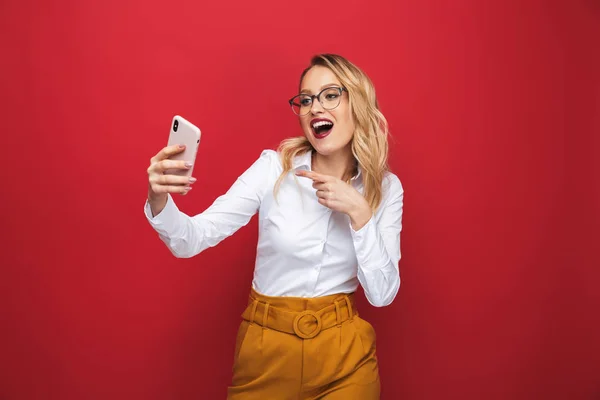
316 107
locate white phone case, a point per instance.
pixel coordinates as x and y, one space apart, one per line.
184 132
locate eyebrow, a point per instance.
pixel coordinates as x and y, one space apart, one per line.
322 87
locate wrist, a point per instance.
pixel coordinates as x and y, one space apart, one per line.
157 197
360 216
154 197
157 201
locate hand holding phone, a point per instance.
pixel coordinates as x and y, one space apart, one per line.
185 133
171 168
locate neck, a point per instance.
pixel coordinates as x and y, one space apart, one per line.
340 164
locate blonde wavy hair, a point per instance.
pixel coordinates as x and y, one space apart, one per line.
369 142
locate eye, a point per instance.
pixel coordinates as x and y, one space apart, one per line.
305 101
332 96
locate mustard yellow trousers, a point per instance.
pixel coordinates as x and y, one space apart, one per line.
304 348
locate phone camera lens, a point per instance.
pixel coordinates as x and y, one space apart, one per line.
175 125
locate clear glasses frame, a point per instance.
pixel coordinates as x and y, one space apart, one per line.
299 101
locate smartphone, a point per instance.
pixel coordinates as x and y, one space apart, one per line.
184 132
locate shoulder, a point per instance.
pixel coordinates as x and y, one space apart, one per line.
269 162
391 182
268 156
269 153
263 171
391 186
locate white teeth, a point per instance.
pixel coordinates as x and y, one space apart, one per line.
321 123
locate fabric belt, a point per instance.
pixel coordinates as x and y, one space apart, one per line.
304 324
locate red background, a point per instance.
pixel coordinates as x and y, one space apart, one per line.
494 109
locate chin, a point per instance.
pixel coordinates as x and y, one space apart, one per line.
327 146
326 149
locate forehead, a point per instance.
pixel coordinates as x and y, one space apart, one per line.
316 78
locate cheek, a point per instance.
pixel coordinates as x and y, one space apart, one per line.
304 122
306 130
345 116
352 127
347 123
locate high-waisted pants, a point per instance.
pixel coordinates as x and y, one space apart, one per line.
304 348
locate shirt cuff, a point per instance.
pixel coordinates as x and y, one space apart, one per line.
165 222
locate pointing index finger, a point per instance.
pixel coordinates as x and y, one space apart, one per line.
315 176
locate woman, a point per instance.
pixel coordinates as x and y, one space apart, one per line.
329 218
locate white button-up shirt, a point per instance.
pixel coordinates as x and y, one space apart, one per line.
304 248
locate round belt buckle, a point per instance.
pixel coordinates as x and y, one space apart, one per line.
312 334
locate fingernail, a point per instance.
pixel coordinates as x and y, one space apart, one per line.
188 164
188 188
192 180
182 146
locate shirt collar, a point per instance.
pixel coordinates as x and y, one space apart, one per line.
303 161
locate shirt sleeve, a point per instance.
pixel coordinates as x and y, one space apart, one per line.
187 236
377 247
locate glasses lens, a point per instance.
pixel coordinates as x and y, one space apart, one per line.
301 104
330 98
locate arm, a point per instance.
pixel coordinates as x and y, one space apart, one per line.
187 236
377 247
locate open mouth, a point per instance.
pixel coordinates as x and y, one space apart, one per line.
321 127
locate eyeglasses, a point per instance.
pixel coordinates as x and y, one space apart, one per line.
329 98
